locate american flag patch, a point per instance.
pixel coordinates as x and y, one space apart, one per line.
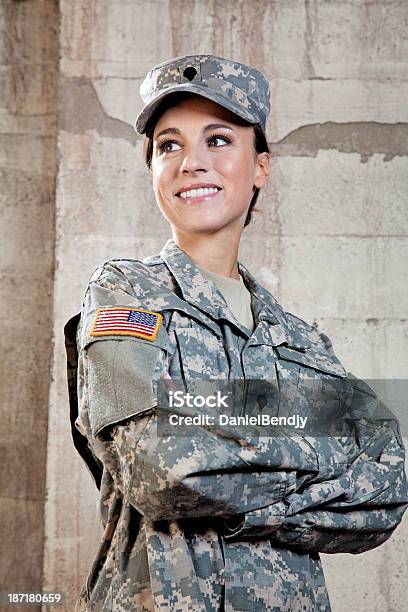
126 322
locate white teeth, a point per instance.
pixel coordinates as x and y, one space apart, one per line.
197 193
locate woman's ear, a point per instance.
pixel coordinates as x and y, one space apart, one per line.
262 169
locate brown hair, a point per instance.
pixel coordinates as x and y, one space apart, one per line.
260 143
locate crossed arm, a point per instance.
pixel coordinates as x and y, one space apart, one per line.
327 494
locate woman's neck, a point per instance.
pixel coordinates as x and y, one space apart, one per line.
211 253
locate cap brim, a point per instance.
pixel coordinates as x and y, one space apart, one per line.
148 110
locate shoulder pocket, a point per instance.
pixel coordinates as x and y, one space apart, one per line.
120 372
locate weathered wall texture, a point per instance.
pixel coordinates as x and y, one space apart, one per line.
331 237
28 113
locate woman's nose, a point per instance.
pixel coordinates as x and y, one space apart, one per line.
194 160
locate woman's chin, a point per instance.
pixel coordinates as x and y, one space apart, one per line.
203 228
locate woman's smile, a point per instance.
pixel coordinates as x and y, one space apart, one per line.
194 196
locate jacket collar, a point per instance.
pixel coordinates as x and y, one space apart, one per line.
271 322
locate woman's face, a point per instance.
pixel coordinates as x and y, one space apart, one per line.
196 143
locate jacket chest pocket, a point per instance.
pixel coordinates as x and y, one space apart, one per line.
201 354
311 385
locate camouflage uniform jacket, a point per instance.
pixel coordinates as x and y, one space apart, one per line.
225 524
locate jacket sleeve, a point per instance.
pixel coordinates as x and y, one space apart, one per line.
210 472
352 512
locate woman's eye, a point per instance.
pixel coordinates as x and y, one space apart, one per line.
219 137
162 146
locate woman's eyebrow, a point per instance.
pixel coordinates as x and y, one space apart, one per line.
207 128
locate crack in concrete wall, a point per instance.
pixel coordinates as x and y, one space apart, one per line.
82 110
366 138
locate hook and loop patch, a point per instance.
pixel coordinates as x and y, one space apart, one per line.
126 321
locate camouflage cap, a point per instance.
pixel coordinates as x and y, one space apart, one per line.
238 87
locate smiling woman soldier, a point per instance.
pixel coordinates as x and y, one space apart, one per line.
231 522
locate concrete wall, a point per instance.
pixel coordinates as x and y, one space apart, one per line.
331 233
